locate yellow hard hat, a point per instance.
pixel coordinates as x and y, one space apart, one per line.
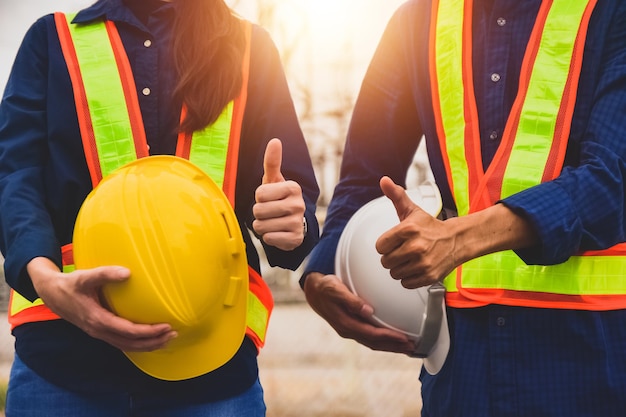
172 226
418 313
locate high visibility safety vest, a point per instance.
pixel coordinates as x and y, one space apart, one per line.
113 134
532 151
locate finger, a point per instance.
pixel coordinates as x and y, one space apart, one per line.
286 241
279 192
293 208
287 224
387 340
351 316
272 161
148 341
135 344
361 328
96 277
398 196
130 336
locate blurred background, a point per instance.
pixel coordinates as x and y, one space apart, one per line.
307 370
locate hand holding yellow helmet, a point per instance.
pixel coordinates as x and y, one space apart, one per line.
170 224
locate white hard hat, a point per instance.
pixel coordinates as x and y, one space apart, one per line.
419 313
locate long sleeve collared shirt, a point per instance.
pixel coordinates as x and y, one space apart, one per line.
503 359
44 179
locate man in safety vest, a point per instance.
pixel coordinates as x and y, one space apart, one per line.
119 83
523 108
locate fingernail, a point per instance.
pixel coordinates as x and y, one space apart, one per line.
123 270
367 310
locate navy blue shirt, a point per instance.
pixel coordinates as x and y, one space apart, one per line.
44 179
506 360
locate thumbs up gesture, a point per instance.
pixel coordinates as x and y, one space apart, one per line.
279 208
420 250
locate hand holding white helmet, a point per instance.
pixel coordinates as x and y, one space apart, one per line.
419 313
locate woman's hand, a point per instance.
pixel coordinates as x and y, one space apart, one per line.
76 297
279 208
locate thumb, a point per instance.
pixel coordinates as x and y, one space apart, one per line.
401 201
272 162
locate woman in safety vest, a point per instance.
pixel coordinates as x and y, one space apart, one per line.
522 105
102 89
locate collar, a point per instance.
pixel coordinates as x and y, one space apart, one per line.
116 11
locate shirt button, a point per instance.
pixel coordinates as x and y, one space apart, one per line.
501 21
147 43
493 135
146 91
500 321
495 77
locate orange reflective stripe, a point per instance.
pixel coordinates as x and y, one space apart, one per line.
33 313
80 97
235 131
563 124
446 65
67 253
470 111
22 311
260 306
130 90
183 144
617 250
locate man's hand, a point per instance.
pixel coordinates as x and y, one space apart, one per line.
350 316
279 208
420 250
76 297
